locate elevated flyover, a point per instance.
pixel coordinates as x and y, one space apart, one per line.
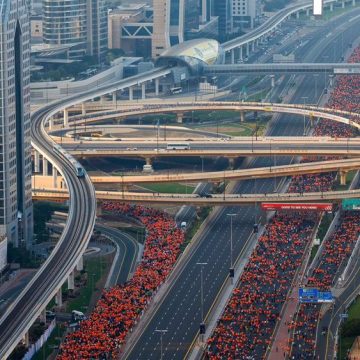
215 199
341 165
214 147
181 108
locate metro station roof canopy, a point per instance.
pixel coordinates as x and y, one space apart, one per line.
194 54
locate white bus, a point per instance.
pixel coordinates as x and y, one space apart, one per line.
176 90
178 146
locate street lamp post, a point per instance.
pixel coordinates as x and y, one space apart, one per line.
162 332
202 324
316 87
270 154
304 99
231 270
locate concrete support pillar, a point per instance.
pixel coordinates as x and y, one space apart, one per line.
98 210
66 118
45 167
231 163
80 264
179 118
55 177
298 14
83 109
253 46
331 7
343 177
58 298
36 161
114 97
157 86
146 168
312 121
242 116
354 3
343 4
331 80
143 91
71 281
131 93
102 99
272 80
51 123
232 54
43 316
307 12
240 52
26 339
247 49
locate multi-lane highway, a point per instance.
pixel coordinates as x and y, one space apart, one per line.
260 146
179 311
214 200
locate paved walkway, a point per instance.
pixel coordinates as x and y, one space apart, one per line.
280 346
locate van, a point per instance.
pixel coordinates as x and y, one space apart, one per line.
77 315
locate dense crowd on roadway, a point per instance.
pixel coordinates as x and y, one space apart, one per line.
340 244
334 257
119 308
246 327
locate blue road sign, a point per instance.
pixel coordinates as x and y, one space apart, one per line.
307 295
314 296
325 297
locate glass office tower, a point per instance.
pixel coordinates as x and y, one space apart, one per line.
16 214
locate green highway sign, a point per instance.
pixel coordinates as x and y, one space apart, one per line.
351 204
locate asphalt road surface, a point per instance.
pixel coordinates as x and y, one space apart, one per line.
179 312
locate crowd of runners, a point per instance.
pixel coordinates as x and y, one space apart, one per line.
115 314
246 327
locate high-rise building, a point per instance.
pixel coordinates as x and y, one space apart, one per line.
16 214
64 23
179 20
97 31
245 13
223 10
81 24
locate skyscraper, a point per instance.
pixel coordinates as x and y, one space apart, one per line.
16 222
64 23
245 13
176 20
97 32
223 10
79 23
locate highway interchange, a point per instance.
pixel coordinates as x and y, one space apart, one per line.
179 310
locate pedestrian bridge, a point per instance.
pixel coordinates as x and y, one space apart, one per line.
283 69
